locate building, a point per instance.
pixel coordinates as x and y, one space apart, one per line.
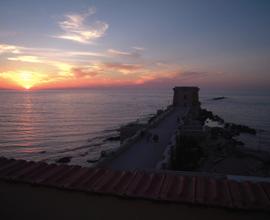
187 97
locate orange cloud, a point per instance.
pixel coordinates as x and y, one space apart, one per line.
57 68
83 72
123 67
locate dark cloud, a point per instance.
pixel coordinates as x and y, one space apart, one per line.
179 78
191 75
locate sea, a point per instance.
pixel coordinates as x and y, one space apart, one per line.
48 125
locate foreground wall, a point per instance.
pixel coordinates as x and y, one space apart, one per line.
22 201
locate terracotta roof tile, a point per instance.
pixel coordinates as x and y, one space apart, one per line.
34 174
172 187
10 167
42 174
17 169
211 191
76 178
59 177
154 186
32 166
254 195
119 183
236 193
178 188
93 176
266 188
136 184
102 184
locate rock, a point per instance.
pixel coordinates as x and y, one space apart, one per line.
92 160
83 154
115 138
237 129
240 143
107 153
205 114
218 160
64 160
159 111
219 98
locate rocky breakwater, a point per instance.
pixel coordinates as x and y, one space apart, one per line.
218 150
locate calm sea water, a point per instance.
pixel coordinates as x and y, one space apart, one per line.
246 109
47 125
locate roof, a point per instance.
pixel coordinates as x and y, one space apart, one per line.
166 187
186 88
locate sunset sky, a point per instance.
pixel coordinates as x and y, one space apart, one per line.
82 43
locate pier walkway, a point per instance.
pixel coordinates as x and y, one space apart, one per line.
145 154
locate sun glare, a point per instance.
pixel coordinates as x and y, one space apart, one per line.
26 79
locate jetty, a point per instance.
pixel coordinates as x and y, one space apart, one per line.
143 153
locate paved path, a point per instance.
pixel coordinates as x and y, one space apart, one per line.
146 154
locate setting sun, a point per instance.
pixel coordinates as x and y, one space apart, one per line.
25 79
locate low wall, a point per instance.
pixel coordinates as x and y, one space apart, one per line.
165 163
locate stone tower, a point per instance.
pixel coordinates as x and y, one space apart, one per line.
187 97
